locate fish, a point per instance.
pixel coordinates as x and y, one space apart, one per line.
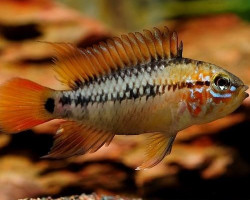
138 83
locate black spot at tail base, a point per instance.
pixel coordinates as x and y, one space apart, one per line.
50 105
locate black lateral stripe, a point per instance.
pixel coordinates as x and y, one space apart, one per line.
207 83
174 87
136 94
189 85
129 93
163 88
199 83
65 100
157 89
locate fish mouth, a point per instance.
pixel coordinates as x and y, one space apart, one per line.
244 89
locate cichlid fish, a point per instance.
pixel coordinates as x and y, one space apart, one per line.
133 84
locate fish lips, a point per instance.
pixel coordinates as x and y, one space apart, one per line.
245 88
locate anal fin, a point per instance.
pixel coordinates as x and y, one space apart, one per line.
158 146
74 138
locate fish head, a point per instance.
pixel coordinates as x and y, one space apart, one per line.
225 93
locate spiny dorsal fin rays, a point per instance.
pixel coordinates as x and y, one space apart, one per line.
67 56
158 43
174 48
180 50
129 50
166 42
75 66
121 51
143 47
100 58
114 54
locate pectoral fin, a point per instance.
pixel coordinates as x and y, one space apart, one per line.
158 146
74 138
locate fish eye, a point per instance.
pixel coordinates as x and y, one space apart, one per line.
221 82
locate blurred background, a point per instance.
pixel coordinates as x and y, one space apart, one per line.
210 161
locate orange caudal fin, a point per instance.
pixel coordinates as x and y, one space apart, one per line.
23 105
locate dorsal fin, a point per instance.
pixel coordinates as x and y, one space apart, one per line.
77 66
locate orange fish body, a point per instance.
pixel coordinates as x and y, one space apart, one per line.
136 84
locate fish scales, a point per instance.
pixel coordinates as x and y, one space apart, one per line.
138 83
156 79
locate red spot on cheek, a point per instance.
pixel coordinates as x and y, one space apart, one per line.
197 111
194 111
195 101
199 97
